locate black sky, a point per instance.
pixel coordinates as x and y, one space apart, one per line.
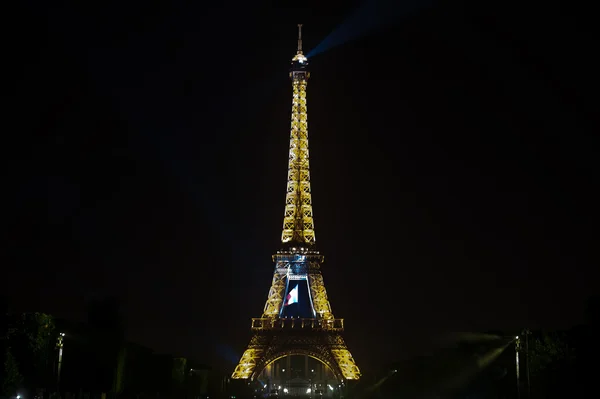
453 158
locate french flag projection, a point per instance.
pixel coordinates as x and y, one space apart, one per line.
292 296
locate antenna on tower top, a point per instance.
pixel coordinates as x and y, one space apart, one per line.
299 38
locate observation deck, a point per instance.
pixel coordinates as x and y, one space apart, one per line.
265 324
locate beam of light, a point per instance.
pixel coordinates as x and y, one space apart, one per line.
382 380
458 371
470 337
227 352
467 373
369 390
368 17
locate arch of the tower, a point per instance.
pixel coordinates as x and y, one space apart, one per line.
269 365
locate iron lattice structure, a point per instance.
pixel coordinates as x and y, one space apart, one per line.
320 336
298 225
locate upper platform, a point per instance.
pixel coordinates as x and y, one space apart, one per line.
299 68
299 63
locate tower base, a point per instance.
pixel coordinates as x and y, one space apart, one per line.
269 345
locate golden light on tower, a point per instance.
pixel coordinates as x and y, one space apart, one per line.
316 333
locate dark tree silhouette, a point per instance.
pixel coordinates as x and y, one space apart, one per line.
12 379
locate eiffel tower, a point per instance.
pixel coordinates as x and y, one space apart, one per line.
297 317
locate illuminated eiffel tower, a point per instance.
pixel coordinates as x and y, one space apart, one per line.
297 318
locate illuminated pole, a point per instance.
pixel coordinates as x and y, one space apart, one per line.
517 349
59 345
526 332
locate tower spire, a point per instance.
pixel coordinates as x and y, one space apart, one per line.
298 225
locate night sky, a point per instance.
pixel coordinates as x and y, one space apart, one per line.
453 157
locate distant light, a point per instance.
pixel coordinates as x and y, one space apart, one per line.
285 390
308 390
62 334
283 370
18 396
312 371
517 337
